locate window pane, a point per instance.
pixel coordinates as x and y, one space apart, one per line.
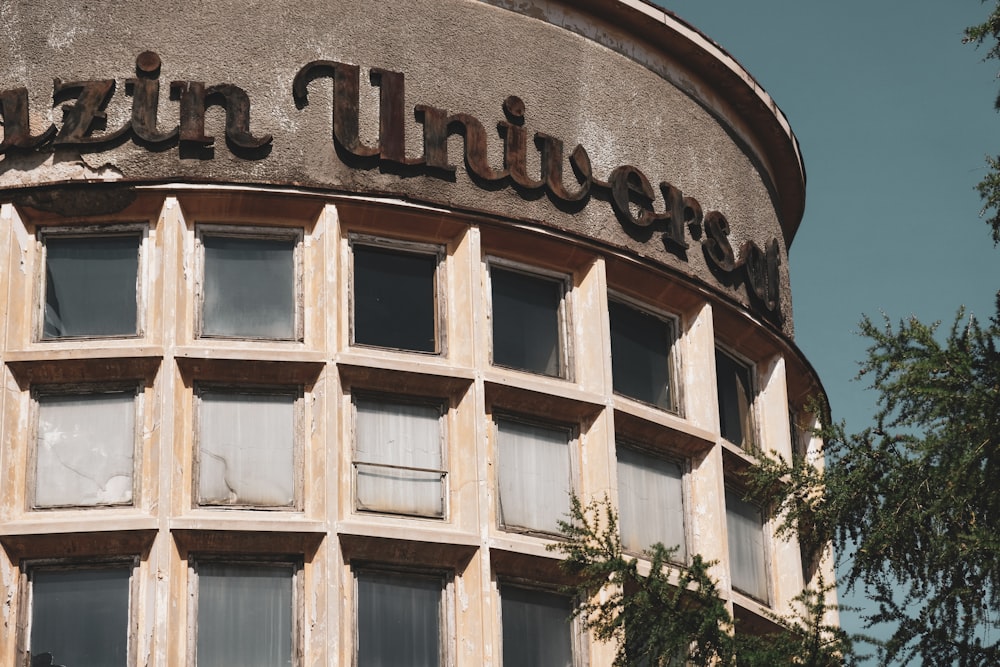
746 546
650 502
526 326
84 449
249 287
535 482
537 631
247 449
407 435
90 286
80 617
394 299
640 347
244 615
734 381
399 621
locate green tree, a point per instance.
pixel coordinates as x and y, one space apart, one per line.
988 32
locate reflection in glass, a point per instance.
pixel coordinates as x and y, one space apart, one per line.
534 475
640 354
537 631
394 299
399 621
526 327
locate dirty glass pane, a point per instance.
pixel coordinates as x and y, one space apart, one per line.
84 449
90 286
650 502
534 475
745 525
526 327
249 287
246 449
640 349
537 631
734 381
399 621
80 616
408 435
244 615
394 299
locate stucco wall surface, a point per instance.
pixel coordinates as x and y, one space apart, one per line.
459 55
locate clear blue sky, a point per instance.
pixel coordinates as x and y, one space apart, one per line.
894 116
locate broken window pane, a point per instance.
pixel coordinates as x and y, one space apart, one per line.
398 457
84 449
526 321
745 525
246 448
90 286
735 386
640 354
650 502
399 620
394 304
534 477
80 616
245 615
249 287
537 631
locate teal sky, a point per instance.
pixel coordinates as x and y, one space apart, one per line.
894 116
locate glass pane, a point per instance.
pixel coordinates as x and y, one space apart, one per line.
398 434
244 615
80 617
249 287
84 449
640 347
247 449
526 322
90 286
734 386
394 299
399 621
746 546
535 479
537 631
650 502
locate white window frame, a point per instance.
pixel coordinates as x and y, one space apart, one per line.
446 608
752 436
572 444
440 255
29 567
298 473
84 389
442 404
578 633
127 229
564 312
258 232
673 355
292 562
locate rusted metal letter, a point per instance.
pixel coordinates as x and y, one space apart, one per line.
17 123
79 119
552 168
439 125
675 214
193 101
515 146
145 90
392 116
346 101
773 260
196 98
716 242
630 186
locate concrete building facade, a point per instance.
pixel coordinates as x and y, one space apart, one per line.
315 315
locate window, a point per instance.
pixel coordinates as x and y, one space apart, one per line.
528 322
640 355
535 481
84 451
250 283
735 386
395 298
399 620
79 614
246 614
397 456
650 501
91 285
747 562
247 451
537 630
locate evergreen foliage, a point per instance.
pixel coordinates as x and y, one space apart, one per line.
988 32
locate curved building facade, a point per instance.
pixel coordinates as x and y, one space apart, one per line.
316 314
